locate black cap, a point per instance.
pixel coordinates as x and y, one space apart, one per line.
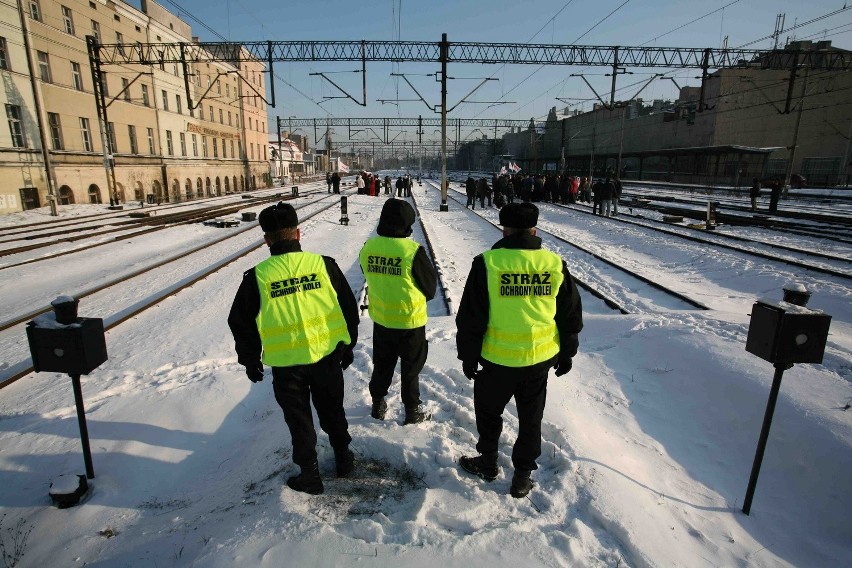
277 217
519 215
396 219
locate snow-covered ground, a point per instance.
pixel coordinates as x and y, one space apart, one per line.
647 443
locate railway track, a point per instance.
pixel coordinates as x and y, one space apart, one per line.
624 282
834 227
838 266
179 277
145 224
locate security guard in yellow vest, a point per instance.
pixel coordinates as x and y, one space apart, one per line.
519 316
400 279
296 313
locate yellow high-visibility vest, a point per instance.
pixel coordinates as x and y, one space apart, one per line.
300 320
522 288
395 300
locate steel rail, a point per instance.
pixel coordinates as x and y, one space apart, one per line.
24 368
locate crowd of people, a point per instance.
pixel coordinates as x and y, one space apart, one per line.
552 188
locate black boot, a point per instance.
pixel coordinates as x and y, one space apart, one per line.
521 483
379 409
416 415
345 461
485 466
308 481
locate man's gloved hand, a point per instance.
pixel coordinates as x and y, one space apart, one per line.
470 369
346 359
255 372
563 365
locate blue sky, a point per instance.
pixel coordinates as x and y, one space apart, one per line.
525 90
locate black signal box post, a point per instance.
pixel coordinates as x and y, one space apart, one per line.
65 343
783 332
344 213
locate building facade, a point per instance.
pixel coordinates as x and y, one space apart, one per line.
156 143
745 128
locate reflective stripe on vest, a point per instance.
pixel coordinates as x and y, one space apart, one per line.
300 320
395 301
522 288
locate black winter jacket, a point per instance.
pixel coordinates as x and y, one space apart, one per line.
246 306
472 317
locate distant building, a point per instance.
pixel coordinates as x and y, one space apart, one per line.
743 130
162 145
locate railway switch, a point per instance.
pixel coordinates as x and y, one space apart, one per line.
62 342
783 332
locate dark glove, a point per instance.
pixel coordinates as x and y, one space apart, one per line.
470 369
255 372
346 359
563 365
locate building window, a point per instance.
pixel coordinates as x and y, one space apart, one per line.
182 144
215 148
96 30
76 76
204 146
55 131
4 54
86 133
227 90
151 141
252 150
104 84
212 116
194 145
165 100
221 117
170 146
68 19
232 149
119 39
145 100
201 112
131 133
179 105
44 66
35 10
229 119
16 127
125 87
218 87
264 153
113 147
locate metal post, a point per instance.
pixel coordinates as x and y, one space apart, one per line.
764 435
100 106
445 50
620 144
789 171
280 156
84 431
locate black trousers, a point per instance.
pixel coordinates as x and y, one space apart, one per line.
407 345
295 388
493 388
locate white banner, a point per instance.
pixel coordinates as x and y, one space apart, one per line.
341 166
